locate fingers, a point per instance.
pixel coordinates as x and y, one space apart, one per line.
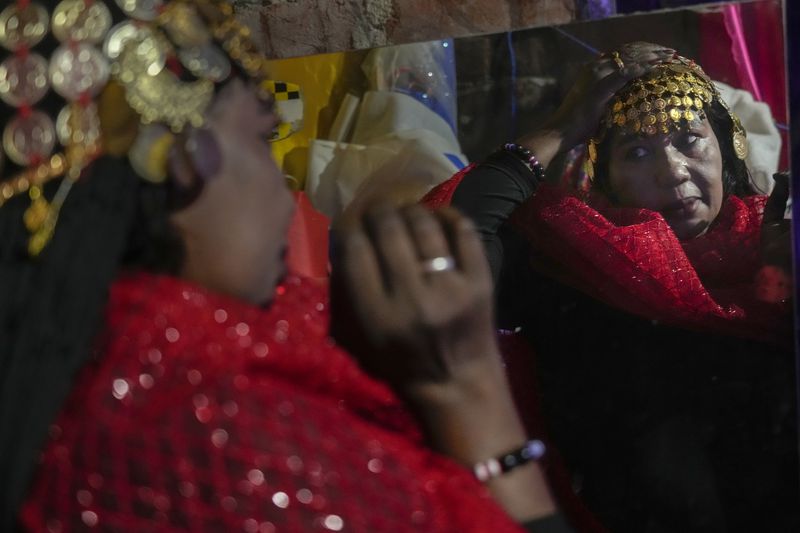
775 210
429 239
465 244
635 62
355 261
384 250
395 250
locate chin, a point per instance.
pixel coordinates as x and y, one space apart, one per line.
689 229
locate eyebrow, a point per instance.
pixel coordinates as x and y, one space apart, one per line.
628 138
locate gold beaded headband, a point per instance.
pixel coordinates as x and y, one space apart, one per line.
162 62
664 100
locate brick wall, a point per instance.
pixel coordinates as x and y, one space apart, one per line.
287 28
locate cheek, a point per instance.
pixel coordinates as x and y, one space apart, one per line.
707 175
629 183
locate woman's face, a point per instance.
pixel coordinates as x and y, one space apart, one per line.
677 174
235 232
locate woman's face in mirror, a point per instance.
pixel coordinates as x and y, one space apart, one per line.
678 175
235 232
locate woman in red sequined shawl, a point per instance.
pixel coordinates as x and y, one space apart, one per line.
655 303
162 372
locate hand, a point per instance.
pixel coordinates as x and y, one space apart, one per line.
774 280
429 334
579 115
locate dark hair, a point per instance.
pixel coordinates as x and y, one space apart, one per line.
736 177
51 307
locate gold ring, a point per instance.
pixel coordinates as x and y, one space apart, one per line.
617 60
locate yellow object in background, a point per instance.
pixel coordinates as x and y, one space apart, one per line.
324 80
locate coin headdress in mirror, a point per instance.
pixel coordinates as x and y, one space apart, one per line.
665 100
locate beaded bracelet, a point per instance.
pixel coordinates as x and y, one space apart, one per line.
533 450
527 158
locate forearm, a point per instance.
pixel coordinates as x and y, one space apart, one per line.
476 419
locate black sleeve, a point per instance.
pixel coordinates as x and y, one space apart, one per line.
555 523
488 195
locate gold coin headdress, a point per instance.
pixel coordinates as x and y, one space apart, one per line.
163 62
664 100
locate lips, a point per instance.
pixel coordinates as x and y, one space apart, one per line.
681 207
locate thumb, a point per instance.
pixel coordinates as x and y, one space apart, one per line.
775 209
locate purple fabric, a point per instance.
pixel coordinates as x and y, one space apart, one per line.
629 6
595 9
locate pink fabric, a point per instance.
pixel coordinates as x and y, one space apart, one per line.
743 46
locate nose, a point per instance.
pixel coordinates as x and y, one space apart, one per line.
673 168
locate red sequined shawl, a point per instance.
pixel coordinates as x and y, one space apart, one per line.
631 259
205 414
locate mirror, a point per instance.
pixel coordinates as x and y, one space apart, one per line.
657 362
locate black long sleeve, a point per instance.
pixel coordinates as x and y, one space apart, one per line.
488 195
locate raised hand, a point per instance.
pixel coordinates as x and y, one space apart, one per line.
582 109
416 288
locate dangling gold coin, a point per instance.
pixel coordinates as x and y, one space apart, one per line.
80 21
36 213
184 25
23 26
592 151
146 10
740 145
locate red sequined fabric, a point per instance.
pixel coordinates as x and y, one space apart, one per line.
631 259
205 414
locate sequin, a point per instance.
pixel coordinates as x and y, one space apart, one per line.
194 376
146 381
260 349
120 388
186 489
255 476
89 518
162 502
333 522
84 497
280 499
154 355
219 438
172 335
304 496
229 503
200 400
230 408
375 466
95 481
220 315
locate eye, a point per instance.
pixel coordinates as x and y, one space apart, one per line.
687 140
636 152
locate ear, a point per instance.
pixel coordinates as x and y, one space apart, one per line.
179 165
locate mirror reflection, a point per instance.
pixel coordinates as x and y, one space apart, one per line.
635 223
